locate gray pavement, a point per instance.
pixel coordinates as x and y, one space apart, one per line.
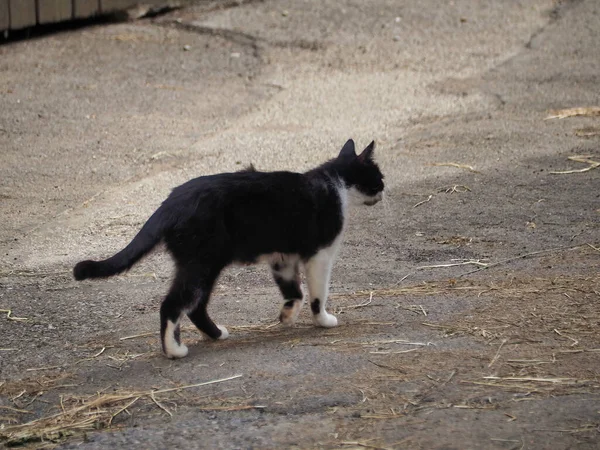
98 124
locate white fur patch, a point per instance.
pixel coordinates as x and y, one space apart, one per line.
358 198
172 348
343 193
224 332
318 271
325 320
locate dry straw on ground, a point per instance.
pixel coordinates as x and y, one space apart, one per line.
9 316
457 165
81 414
574 112
585 159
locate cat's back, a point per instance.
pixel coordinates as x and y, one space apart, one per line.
247 183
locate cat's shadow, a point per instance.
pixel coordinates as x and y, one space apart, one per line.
297 335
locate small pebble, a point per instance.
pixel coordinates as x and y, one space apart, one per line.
186 47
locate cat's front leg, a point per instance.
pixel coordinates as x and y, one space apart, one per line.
286 273
318 271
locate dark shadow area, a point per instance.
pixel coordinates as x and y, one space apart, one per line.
40 31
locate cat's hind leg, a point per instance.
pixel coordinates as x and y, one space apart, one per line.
286 273
318 272
199 315
170 313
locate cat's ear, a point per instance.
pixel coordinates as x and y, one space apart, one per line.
367 153
348 150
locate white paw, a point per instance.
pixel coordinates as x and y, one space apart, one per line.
224 332
325 320
176 351
173 349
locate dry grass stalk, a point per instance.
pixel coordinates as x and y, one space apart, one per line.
535 379
497 355
526 388
86 414
160 405
360 305
261 328
419 289
589 427
35 369
30 386
574 112
458 188
394 352
230 408
381 416
370 323
394 341
9 315
418 309
363 445
124 408
526 255
142 275
20 411
574 341
424 201
475 262
587 132
346 345
457 165
135 336
507 440
91 357
582 159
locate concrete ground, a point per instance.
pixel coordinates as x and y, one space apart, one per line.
468 301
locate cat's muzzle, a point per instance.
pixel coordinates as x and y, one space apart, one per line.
371 201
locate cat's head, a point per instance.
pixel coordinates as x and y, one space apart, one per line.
361 174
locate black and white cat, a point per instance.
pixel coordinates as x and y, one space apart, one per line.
287 219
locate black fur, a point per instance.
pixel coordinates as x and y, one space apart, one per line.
289 304
315 306
289 289
213 221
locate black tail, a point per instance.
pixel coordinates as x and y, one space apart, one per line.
147 238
